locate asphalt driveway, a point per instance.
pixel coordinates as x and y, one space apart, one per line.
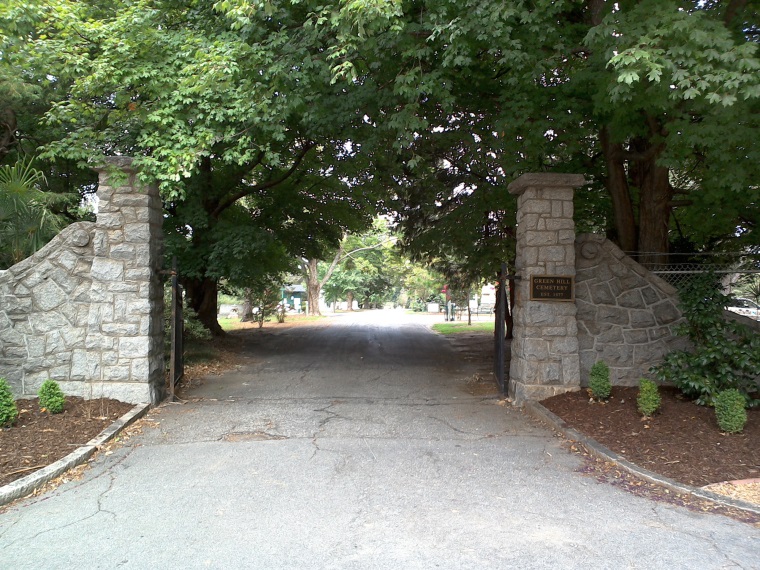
354 444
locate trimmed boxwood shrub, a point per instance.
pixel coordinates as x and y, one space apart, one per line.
730 410
648 401
8 409
599 380
51 397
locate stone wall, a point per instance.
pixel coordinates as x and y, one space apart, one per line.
626 315
87 309
544 349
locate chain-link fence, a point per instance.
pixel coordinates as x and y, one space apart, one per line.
739 274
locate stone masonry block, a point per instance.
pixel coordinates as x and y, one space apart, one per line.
137 233
658 333
105 269
99 342
613 315
535 349
14 305
139 307
134 347
121 329
555 253
67 260
666 312
110 221
610 334
571 372
116 373
636 336
47 295
115 237
140 369
142 274
567 237
554 224
631 300
536 238
564 345
79 365
110 358
138 201
641 319
617 354
536 207
46 322
530 221
650 295
100 243
601 294
530 256
125 252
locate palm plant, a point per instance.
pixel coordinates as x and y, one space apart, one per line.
26 220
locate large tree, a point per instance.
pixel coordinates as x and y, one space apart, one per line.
654 100
217 110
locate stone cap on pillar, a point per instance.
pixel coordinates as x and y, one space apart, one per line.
123 163
545 180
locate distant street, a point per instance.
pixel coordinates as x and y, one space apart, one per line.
354 443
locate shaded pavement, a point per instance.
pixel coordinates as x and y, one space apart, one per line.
354 444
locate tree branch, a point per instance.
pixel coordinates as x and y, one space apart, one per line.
230 200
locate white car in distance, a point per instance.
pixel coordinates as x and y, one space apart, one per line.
745 307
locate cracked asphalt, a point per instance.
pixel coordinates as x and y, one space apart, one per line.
354 445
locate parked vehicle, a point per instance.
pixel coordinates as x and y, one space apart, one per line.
745 307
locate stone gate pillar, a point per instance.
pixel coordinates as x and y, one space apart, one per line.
124 356
545 357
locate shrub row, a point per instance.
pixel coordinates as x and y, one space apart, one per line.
51 399
730 404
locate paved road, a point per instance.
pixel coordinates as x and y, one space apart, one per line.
354 445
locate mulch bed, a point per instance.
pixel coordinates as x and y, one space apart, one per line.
682 441
38 438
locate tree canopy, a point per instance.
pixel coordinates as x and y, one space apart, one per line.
274 126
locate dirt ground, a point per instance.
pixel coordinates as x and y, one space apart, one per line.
39 438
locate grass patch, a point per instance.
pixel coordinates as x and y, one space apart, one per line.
234 324
458 327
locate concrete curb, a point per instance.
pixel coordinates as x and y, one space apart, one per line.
537 411
32 482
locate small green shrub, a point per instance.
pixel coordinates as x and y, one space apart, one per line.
648 400
8 409
51 397
730 410
599 381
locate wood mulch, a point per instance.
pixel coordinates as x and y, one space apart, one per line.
682 441
38 438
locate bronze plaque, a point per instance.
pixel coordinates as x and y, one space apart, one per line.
552 288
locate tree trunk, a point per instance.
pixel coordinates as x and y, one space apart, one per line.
617 186
655 194
247 315
350 299
313 287
202 298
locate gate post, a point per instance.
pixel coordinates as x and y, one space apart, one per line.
545 357
124 340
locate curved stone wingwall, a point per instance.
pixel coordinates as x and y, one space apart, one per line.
626 315
86 310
